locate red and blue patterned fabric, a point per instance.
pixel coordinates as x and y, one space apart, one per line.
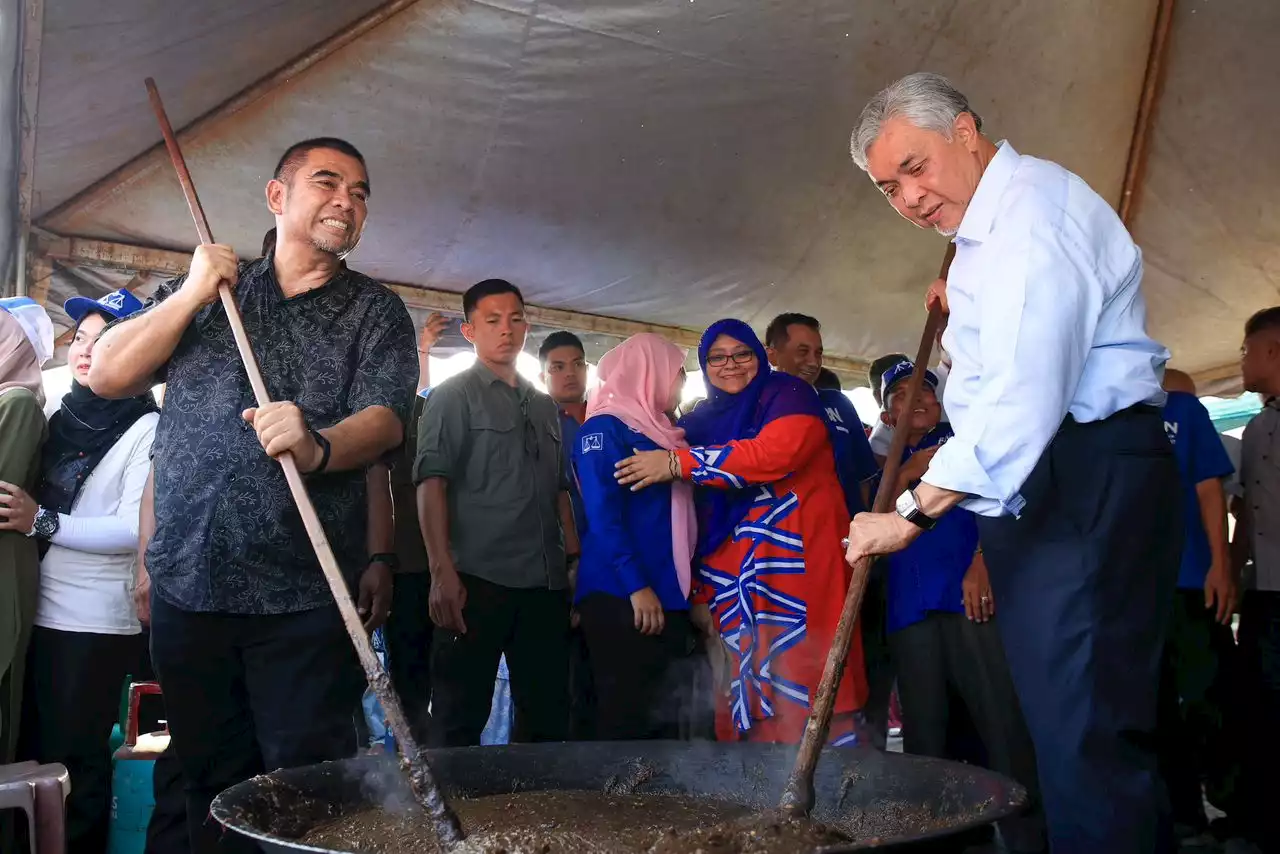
772 514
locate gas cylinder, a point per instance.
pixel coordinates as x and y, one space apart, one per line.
132 798
117 729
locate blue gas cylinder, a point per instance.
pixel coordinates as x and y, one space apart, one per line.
132 797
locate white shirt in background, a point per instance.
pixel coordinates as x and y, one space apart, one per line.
87 576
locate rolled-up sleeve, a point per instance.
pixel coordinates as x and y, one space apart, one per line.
1037 316
442 432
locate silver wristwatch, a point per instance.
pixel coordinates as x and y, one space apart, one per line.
908 508
45 524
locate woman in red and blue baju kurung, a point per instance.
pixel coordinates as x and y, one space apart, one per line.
771 516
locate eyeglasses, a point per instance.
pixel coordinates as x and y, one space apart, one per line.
739 358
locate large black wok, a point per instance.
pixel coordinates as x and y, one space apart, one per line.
888 797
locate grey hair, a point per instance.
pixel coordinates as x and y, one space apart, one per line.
925 99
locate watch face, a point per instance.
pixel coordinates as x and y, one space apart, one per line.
906 504
45 525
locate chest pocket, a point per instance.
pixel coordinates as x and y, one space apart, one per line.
493 455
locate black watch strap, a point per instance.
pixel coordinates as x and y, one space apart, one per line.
920 520
325 450
908 508
391 559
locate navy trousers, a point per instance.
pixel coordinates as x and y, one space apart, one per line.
1083 583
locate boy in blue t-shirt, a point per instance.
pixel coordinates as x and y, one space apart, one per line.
942 637
1200 644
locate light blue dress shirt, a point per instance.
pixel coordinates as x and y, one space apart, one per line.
1047 319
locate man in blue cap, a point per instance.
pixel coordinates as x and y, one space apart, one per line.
1059 448
942 633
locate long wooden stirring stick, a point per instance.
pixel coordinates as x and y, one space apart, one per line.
798 796
423 783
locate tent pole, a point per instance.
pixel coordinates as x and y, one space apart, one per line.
32 38
1136 166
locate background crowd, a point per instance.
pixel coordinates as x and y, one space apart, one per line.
638 570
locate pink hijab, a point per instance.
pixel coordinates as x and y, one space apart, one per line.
19 366
635 382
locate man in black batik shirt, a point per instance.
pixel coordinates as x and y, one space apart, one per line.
254 662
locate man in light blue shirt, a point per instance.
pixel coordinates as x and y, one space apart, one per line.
1059 448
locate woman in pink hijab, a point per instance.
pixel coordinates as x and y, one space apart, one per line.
634 574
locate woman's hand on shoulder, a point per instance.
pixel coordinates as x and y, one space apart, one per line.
646 468
17 509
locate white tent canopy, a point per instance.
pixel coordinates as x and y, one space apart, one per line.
659 161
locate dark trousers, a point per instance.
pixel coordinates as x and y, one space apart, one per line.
1259 650
640 684
583 710
71 701
167 829
408 634
529 626
948 655
879 661
1083 582
1195 692
248 693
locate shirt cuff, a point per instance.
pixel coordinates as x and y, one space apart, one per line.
687 463
633 580
956 467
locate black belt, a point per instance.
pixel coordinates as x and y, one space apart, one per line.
1141 410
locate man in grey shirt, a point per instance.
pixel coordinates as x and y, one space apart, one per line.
495 514
1257 536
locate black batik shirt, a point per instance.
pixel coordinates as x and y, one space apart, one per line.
228 537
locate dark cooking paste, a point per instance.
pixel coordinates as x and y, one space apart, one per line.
580 822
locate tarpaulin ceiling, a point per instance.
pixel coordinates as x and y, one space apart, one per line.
675 161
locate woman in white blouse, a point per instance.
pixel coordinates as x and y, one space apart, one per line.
84 515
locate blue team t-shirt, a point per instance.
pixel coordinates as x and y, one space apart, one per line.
927 576
1201 456
568 441
627 546
855 463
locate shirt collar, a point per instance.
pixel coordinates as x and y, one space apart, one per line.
981 213
489 377
264 269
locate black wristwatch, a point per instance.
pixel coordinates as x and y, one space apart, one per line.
908 508
391 559
45 524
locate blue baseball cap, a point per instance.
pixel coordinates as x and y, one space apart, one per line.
117 304
897 374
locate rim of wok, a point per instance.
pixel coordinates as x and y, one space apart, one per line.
237 810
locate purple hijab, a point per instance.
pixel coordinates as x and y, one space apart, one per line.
724 417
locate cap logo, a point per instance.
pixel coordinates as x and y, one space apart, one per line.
113 300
